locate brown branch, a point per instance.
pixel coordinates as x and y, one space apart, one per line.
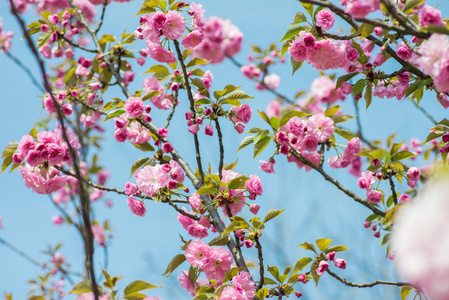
393 191
170 116
220 142
261 266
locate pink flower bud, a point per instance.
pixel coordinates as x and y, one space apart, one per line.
64 24
298 294
209 130
87 63
163 132
340 263
239 127
157 143
57 220
367 224
167 148
66 15
102 65
54 19
172 184
374 228
330 256
74 93
75 31
404 198
302 278
377 234
189 74
254 208
249 243
376 162
69 54
44 28
193 129
141 61
207 111
174 87
199 120
189 115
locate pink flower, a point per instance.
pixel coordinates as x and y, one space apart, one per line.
244 285
323 126
325 19
254 208
195 201
167 148
137 207
374 196
98 233
404 198
198 12
360 8
134 106
273 109
193 129
322 267
174 25
298 50
413 173
160 54
327 54
242 113
430 16
198 253
254 185
220 261
366 179
267 166
185 283
57 220
176 171
192 40
239 127
340 263
150 179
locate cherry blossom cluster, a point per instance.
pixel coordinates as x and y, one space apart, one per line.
324 265
214 262
304 136
170 25
150 180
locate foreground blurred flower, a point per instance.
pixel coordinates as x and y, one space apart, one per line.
421 240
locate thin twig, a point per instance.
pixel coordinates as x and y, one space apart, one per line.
366 285
75 44
220 142
393 191
103 10
192 107
170 116
182 212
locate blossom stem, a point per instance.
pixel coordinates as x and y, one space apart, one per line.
170 116
393 191
220 142
261 266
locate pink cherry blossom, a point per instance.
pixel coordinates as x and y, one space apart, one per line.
322 267
151 178
325 19
192 40
160 54
174 25
198 253
340 263
324 126
219 262
195 201
134 106
137 207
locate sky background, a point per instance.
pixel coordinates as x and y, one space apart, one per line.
141 248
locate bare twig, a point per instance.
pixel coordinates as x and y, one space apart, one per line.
366 285
220 142
170 116
261 266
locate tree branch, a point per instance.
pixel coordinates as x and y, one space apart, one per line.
366 285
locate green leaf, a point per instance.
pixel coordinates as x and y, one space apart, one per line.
308 246
150 94
237 183
395 147
386 238
10 149
239 95
144 147
358 86
341 118
231 273
287 116
261 145
114 114
201 87
196 72
145 10
344 78
42 39
271 214
444 122
323 243
308 7
268 281
229 88
82 287
403 155
292 32
196 61
435 28
137 164
236 225
368 95
285 46
107 38
135 296
336 248
405 291
202 101
410 4
230 166
245 142
34 297
138 286
262 293
220 240
344 133
433 135
330 111
6 163
264 117
33 132
210 188
301 264
295 64
175 262
157 69
299 18
274 122
274 271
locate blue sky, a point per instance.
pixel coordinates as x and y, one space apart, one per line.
142 247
